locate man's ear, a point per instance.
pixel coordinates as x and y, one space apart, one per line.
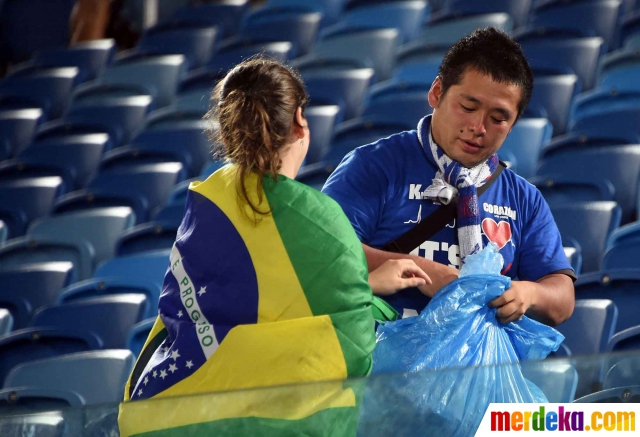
435 92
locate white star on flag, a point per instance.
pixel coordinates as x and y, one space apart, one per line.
155 373
189 364
163 374
175 355
146 380
172 368
180 314
202 291
140 392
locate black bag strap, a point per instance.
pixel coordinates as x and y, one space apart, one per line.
431 225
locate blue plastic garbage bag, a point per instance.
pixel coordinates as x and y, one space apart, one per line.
457 329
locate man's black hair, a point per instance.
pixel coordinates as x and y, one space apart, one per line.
492 52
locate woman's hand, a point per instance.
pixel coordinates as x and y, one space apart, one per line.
397 274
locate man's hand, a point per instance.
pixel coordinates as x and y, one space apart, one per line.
514 302
397 274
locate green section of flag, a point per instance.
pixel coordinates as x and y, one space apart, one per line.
330 264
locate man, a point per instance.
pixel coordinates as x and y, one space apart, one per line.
388 187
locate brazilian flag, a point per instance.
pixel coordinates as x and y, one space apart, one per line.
246 304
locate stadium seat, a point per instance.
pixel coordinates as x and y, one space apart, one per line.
518 10
180 191
75 158
47 424
108 317
195 42
232 52
369 48
625 234
623 373
343 87
592 18
619 165
322 119
36 343
28 287
142 187
558 380
587 224
46 88
148 236
448 30
315 175
614 395
630 25
600 102
155 75
173 213
618 285
562 55
226 15
138 335
120 117
406 16
211 168
626 340
17 128
574 256
98 377
48 26
552 97
399 107
89 57
80 227
6 322
591 326
525 141
23 200
620 125
299 27
618 71
147 266
331 10
622 256
22 401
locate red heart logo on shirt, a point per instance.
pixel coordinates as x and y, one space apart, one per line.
499 233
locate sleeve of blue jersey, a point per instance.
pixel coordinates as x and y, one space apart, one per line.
542 252
359 185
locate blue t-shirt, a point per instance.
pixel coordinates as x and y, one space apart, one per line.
380 186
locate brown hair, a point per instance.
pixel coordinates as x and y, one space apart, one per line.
251 117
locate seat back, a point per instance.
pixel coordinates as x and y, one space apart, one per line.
150 266
552 97
624 373
224 15
448 31
138 335
525 141
589 329
400 107
17 128
322 120
558 380
49 424
345 87
195 43
518 10
6 321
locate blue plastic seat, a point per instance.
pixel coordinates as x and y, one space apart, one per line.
147 266
563 55
98 377
614 395
46 88
618 285
619 71
447 31
321 120
558 380
48 26
28 287
119 117
552 97
315 175
195 42
173 213
518 10
369 48
138 335
525 142
618 165
297 26
629 233
622 256
36 343
632 42
180 191
155 75
616 124
17 128
587 225
399 107
344 87
23 401
574 256
591 326
75 158
630 25
624 373
49 424
142 187
625 340
331 10
24 200
592 18
232 52
6 322
108 317
210 168
406 16
148 236
225 15
90 57
180 141
599 102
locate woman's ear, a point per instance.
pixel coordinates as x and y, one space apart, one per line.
300 123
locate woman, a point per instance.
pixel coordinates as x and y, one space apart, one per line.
267 282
